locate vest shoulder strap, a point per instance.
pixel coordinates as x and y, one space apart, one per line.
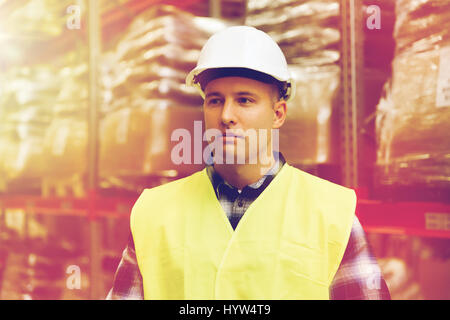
337 205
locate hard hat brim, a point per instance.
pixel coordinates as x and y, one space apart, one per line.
193 77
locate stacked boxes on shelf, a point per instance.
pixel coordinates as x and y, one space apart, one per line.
308 33
40 88
413 117
145 98
27 103
66 136
34 89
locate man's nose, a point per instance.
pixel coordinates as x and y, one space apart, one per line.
228 113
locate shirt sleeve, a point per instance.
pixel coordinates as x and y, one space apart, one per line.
127 284
359 276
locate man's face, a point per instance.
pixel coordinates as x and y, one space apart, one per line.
244 107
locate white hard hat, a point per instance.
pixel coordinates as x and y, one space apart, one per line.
243 47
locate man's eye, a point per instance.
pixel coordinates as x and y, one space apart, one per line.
213 101
244 100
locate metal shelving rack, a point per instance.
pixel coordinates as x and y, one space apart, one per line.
429 219
412 218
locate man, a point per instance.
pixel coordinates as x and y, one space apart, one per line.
257 228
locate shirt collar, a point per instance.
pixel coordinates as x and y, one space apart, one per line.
217 180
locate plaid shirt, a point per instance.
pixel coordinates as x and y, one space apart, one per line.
357 278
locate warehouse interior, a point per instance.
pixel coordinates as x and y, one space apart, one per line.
92 90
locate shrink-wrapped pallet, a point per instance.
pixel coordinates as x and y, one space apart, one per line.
66 138
22 160
65 147
307 135
421 25
413 121
308 33
145 97
38 18
136 141
28 96
160 47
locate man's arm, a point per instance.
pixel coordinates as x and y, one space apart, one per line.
359 276
127 283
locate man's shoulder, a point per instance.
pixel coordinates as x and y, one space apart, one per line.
173 186
164 194
327 195
319 183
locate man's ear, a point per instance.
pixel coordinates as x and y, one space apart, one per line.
279 113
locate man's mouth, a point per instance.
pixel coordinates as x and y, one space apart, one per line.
229 137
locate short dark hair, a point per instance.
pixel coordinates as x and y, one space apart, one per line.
208 75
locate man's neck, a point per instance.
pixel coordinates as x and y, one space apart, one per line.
241 175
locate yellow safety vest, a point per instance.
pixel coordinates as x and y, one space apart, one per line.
288 244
